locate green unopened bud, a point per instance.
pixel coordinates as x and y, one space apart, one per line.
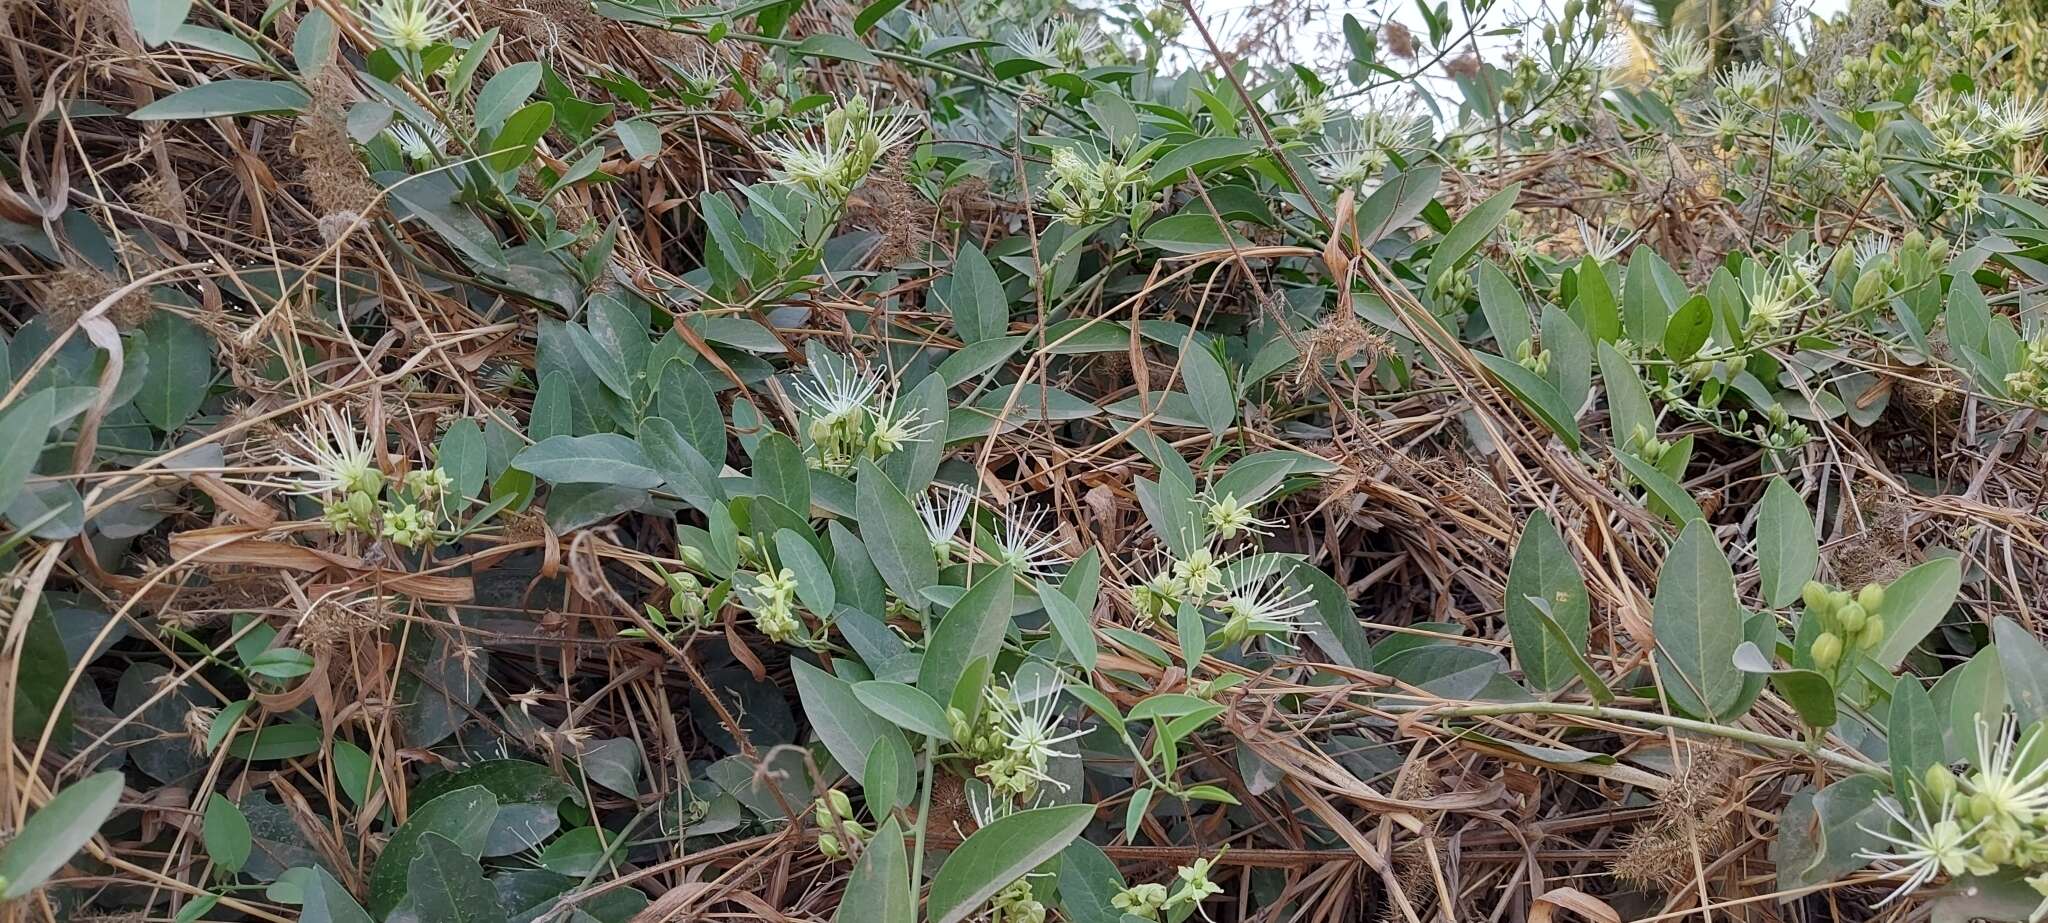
1827 650
1815 595
1840 598
1850 618
1869 288
1872 634
1941 783
1872 597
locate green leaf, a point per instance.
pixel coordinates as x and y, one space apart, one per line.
826 45
688 400
813 578
1088 884
52 835
225 97
276 742
1666 495
445 884
1786 550
1201 155
1072 625
1810 694
1644 312
1209 388
975 359
1688 329
1507 316
216 41
505 92
879 889
2025 664
780 473
873 13
1594 308
1535 395
615 764
313 41
1628 405
1914 604
904 706
1000 853
1912 734
578 852
24 428
1972 692
1471 231
973 628
180 366
529 797
281 663
1698 624
514 143
847 728
687 474
1190 232
980 309
226 833
1543 568
600 458
156 21
894 536
463 816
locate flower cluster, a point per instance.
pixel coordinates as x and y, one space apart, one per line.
1354 152
848 416
772 601
2029 382
1147 901
688 606
1250 599
1012 744
1780 296
1088 187
830 162
1848 623
334 460
1991 818
834 816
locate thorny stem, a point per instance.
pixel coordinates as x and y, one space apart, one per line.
1843 760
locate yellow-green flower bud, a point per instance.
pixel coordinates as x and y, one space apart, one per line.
1872 634
1850 618
1815 595
1941 783
1871 597
1827 650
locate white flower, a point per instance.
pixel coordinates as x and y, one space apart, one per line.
412 25
2011 777
2012 121
1229 516
419 144
1036 45
1747 82
332 456
852 138
1351 154
1031 735
836 392
1023 548
1932 846
1682 56
942 509
1869 247
896 427
1602 243
1267 604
